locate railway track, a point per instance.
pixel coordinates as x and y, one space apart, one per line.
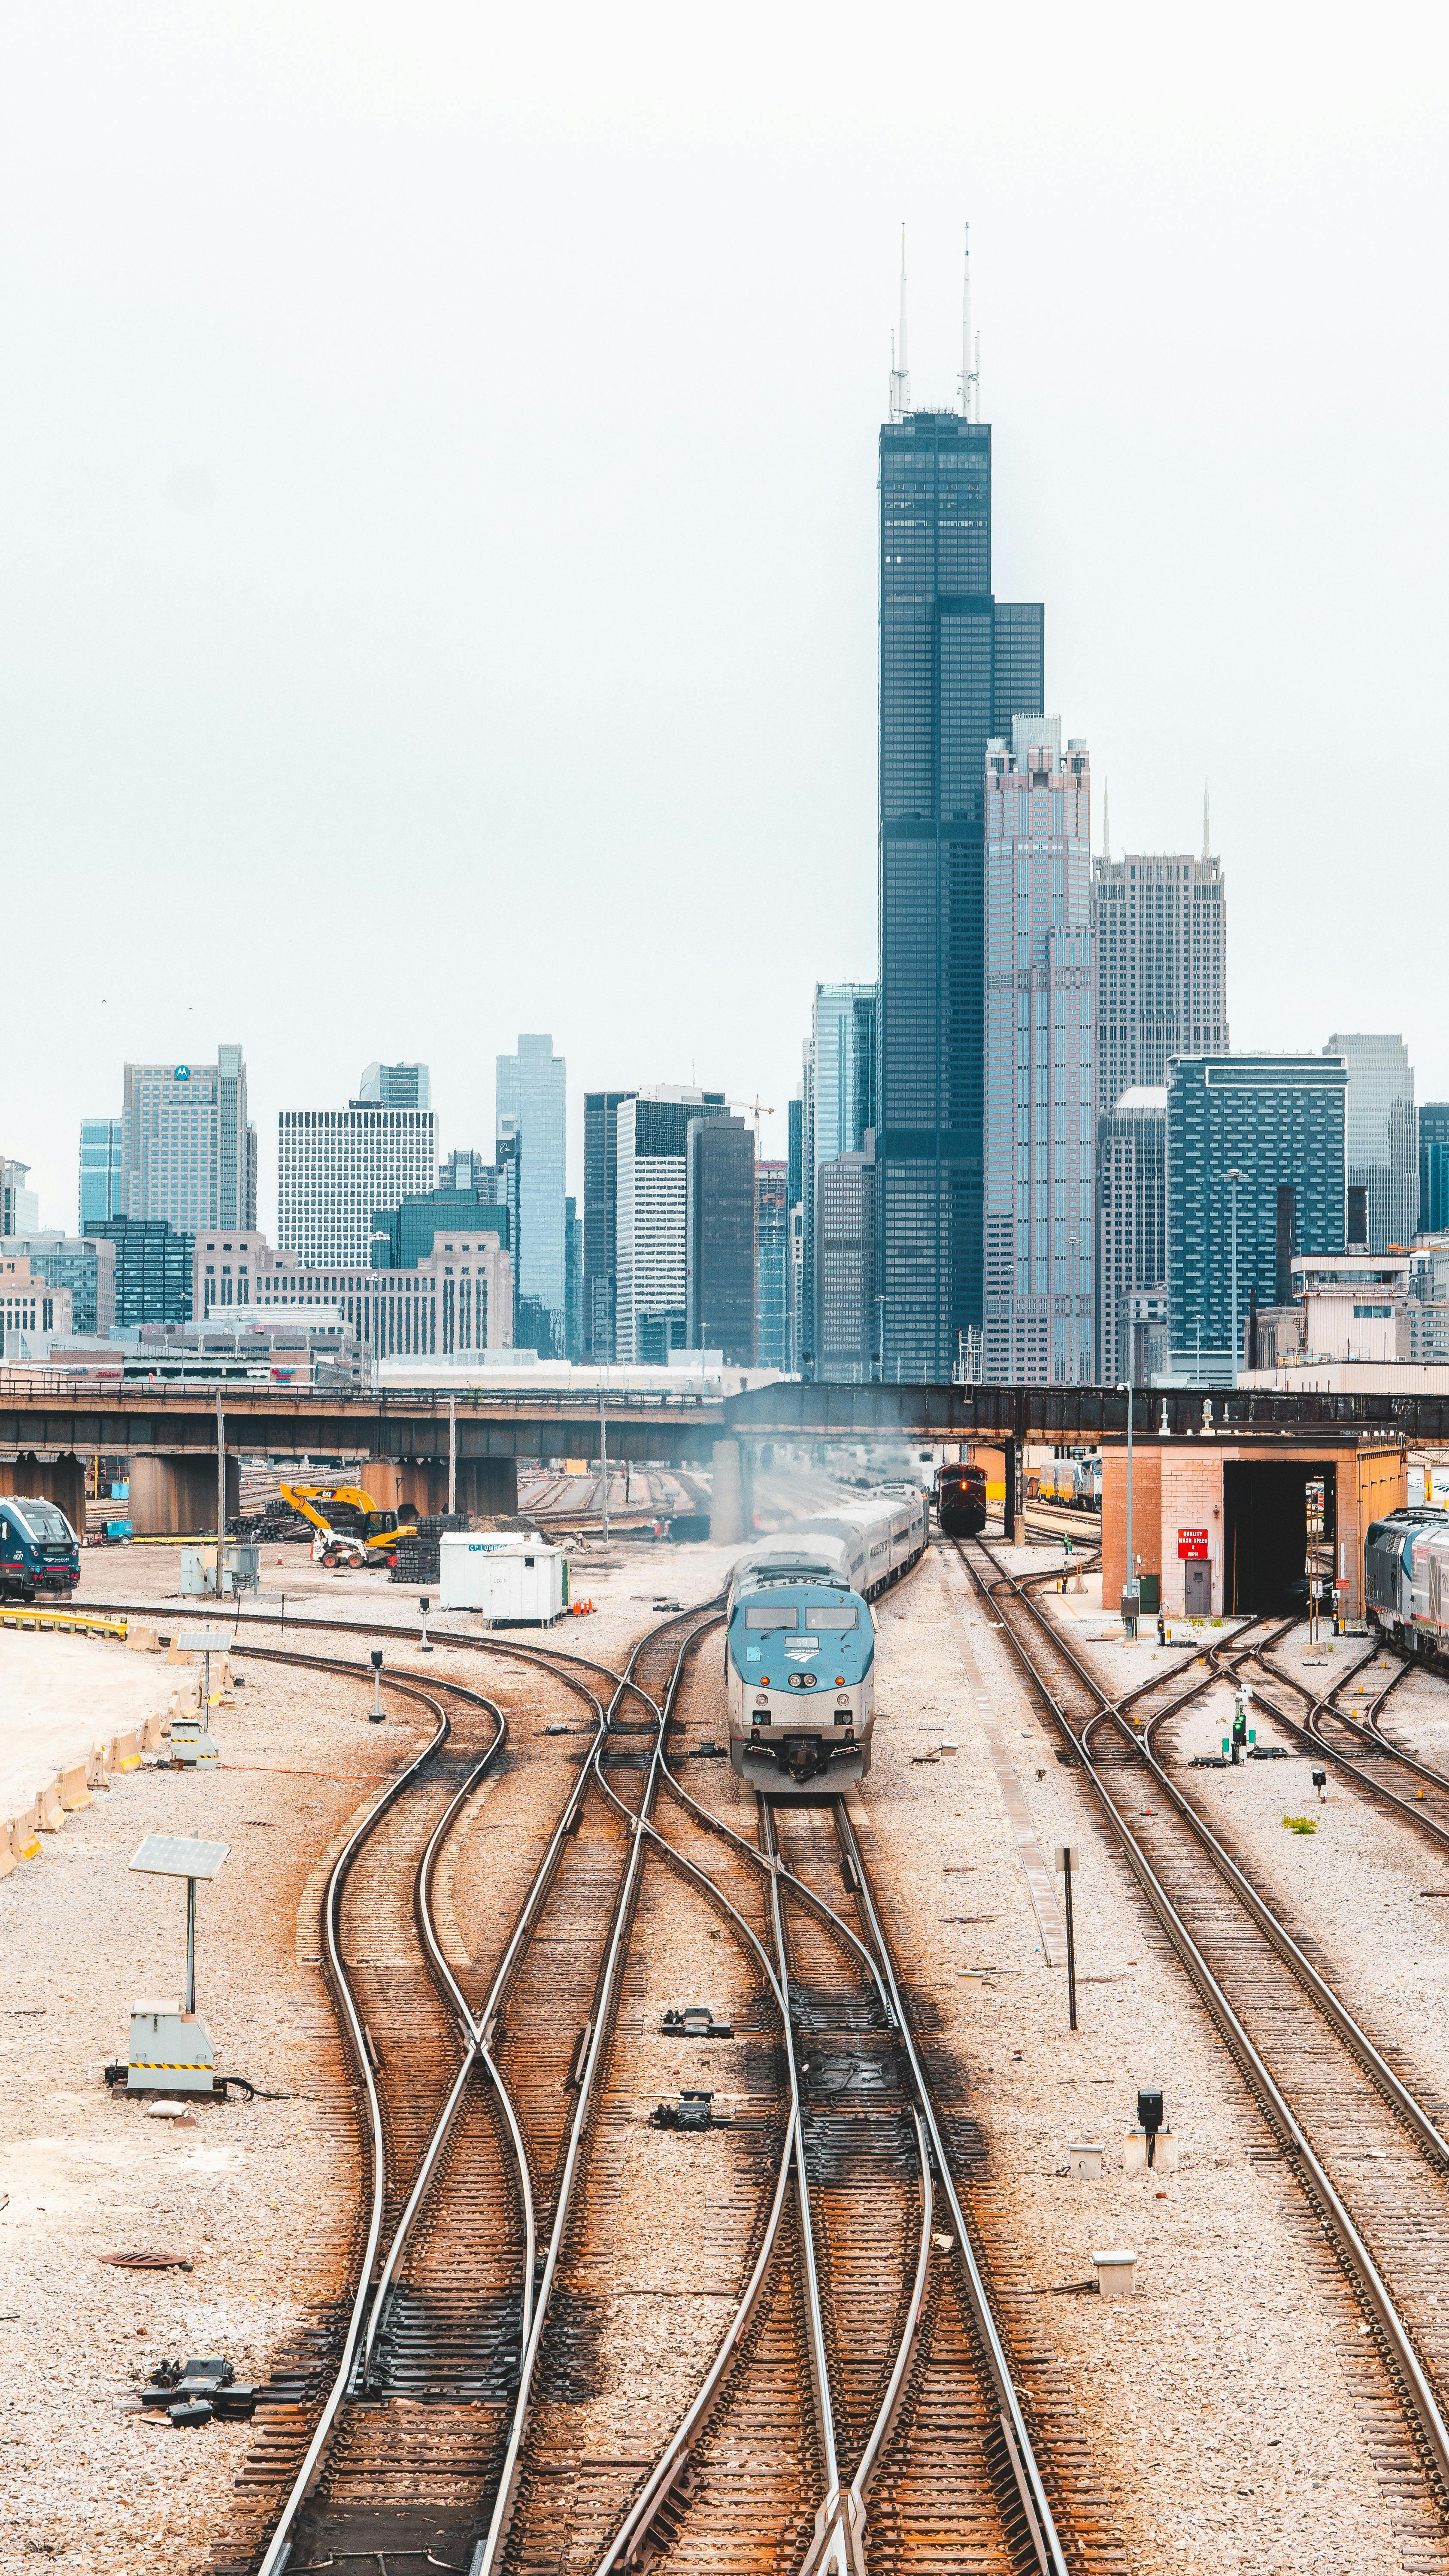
1366 2146
859 2410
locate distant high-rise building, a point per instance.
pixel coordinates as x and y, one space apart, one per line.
1382 1138
1269 1120
336 1168
772 1265
403 1236
1131 1247
465 1169
531 1093
837 1096
85 1266
847 1331
601 1149
956 665
651 1255
573 1281
396 1086
100 1169
188 1151
719 1207
153 1264
19 1204
1159 941
1434 1167
799 1329
1039 1006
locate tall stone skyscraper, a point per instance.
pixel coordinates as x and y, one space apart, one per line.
1039 1007
955 666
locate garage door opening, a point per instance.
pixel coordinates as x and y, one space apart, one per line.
1265 1533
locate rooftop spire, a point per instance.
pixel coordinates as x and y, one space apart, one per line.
901 365
970 353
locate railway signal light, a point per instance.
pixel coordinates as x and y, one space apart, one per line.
1320 1782
1150 2115
375 1713
424 1600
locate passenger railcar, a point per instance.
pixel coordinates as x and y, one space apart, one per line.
39 1551
1406 1577
961 1500
800 1644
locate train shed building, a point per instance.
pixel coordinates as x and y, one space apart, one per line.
1223 1524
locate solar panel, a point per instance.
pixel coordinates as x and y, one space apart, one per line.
180 1856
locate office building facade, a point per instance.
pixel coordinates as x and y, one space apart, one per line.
459 1298
956 665
1382 1137
153 1269
601 1159
1434 1167
465 1169
19 1204
100 1169
84 1266
651 1234
1039 1328
188 1148
336 1168
403 1236
719 1211
772 1265
1274 1121
848 1319
837 1098
396 1086
1131 1233
1159 946
531 1108
29 1305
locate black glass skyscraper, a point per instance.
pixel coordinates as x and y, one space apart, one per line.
955 666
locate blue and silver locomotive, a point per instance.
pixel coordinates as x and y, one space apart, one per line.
39 1551
800 1644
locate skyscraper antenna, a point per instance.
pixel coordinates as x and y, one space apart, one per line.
1206 845
970 358
1106 821
901 366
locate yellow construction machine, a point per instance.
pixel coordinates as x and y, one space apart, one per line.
351 1531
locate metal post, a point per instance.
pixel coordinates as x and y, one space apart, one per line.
452 1454
603 1463
1071 1944
220 1489
190 2004
1130 1587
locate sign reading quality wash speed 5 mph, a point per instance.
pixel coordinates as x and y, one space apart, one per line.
1192 1542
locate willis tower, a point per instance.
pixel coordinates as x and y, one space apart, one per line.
956 665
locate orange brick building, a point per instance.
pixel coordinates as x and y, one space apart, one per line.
1247 1497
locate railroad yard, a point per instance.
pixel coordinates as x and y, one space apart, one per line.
499 2317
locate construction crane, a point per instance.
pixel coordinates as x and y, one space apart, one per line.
757 1111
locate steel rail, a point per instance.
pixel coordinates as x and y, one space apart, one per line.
1359 2261
1371 1733
486 2554
279 2547
839 2541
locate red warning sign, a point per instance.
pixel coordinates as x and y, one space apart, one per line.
1192 1542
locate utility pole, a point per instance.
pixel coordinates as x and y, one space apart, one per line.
1130 1592
220 1507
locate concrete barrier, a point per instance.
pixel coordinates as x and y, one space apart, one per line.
143 1641
72 1791
50 1813
126 1750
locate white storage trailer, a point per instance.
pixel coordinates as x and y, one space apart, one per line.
522 1585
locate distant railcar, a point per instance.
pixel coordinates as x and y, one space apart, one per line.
39 1551
961 1500
1406 1577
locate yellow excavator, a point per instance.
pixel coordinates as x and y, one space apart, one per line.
351 1530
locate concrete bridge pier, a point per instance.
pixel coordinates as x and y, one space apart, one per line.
56 1480
727 1495
176 1497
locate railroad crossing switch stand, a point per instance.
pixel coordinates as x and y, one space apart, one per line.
170 2049
691 2111
1150 2146
696 2021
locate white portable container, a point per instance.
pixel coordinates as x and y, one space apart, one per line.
524 1584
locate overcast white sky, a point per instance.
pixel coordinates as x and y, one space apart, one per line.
437 498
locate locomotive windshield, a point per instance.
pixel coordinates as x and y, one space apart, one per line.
45 1524
770 1617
